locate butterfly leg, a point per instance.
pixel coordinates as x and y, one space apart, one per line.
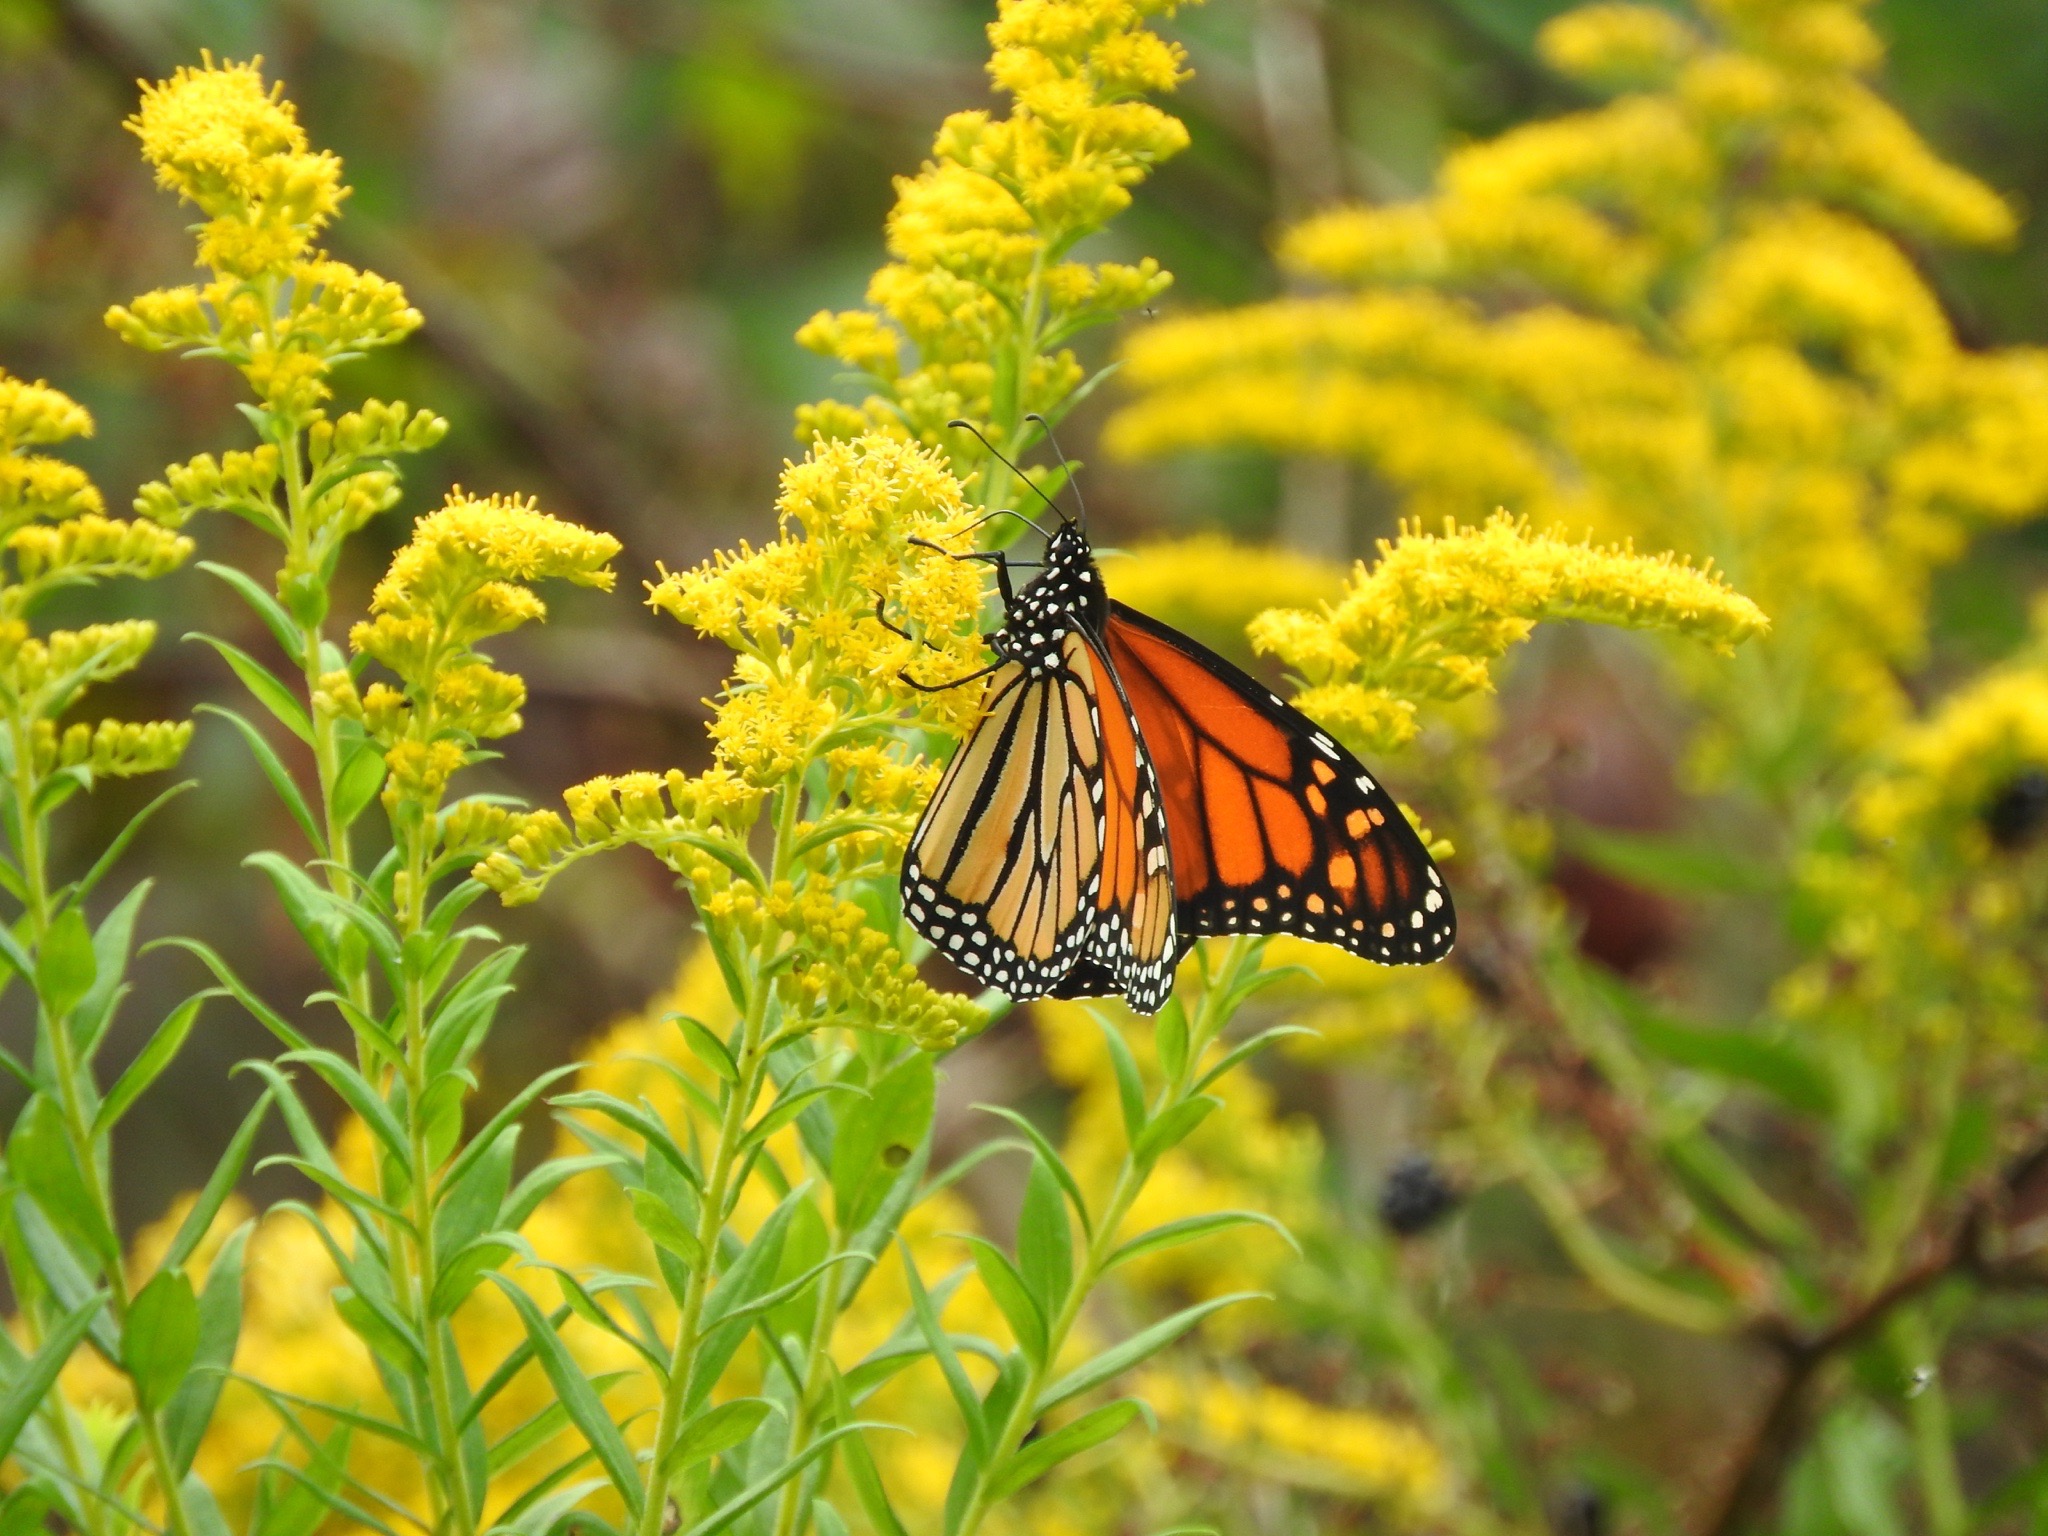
882 618
905 677
994 557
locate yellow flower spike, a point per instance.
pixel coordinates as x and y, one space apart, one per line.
1426 620
977 287
1617 46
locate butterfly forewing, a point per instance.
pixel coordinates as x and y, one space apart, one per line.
1274 827
1033 841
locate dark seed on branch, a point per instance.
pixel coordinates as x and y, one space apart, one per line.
1416 1196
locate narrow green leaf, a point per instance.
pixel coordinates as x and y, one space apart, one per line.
361 776
161 1337
261 1011
1012 1295
268 691
707 1047
1033 1461
1140 1347
716 1430
1247 1049
727 1515
578 1396
227 1173
41 1157
355 1091
897 1114
789 1106
25 1394
941 1346
1186 1230
261 603
275 771
1170 1039
1049 1156
1045 1243
1174 1125
150 1062
111 854
110 945
65 964
665 1230
220 1326
1130 1088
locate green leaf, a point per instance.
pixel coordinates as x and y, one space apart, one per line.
941 1346
665 1230
716 1430
110 945
1012 1295
149 1064
1033 1461
586 1410
28 1390
788 1107
1186 1230
361 776
275 771
227 1173
1659 862
1247 1049
265 607
727 1515
356 1091
1170 1039
65 964
1135 1350
1048 1156
896 1114
463 1270
469 1205
1778 1067
1045 1243
161 1337
269 692
111 854
707 1047
1173 1127
40 1155
1130 1088
220 1326
261 1011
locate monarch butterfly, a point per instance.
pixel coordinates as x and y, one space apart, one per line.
1126 790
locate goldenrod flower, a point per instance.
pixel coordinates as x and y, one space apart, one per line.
462 578
1427 621
52 524
980 287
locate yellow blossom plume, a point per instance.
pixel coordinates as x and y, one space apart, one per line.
463 578
980 289
1681 316
1428 620
53 528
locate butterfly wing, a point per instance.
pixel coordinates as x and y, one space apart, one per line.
1274 827
1033 853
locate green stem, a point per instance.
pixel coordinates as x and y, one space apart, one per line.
68 1071
1934 1447
789 1509
1130 1183
753 1064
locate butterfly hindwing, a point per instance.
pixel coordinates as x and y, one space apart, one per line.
1274 827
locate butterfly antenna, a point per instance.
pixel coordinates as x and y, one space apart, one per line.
967 426
1080 504
1006 512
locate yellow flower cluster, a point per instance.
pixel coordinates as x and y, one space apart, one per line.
53 525
1271 1432
1726 355
1431 616
979 285
277 308
464 577
1212 586
804 612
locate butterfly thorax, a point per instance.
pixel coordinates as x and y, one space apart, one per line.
1067 595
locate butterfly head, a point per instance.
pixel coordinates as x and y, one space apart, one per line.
1067 594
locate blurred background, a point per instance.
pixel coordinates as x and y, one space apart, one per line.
614 213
